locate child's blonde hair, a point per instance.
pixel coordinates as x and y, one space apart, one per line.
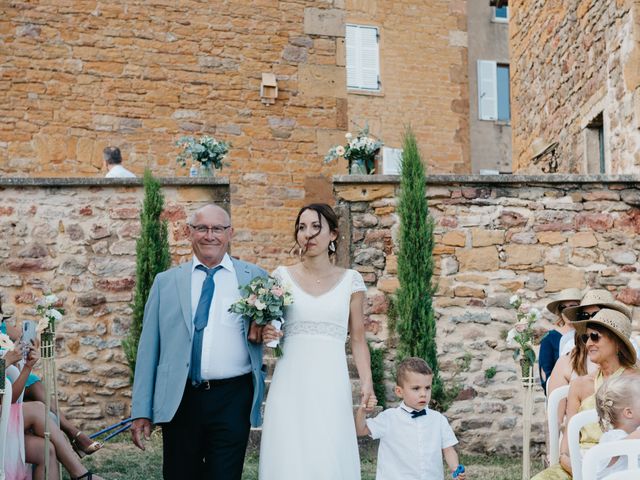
614 396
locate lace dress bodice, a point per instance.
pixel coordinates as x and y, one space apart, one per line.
323 315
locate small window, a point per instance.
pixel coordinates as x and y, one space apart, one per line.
363 68
500 14
493 91
594 145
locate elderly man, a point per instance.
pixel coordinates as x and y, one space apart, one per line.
197 374
113 163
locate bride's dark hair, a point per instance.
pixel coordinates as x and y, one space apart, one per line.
323 210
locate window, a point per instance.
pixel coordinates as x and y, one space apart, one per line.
493 91
363 68
594 145
500 14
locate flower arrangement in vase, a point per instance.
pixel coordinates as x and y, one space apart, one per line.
360 152
523 334
207 151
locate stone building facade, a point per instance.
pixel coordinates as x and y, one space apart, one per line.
76 76
576 66
496 237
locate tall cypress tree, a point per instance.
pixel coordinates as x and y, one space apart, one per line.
415 324
152 257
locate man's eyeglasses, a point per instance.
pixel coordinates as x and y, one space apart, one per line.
594 336
216 229
585 315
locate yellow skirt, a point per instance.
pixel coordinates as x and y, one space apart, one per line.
554 472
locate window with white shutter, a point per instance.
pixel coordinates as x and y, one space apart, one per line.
363 65
487 90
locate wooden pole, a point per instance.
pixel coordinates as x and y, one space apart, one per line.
527 383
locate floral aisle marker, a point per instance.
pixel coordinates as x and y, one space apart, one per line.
522 336
207 151
263 301
360 152
49 313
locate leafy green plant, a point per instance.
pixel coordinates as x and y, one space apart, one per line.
360 152
206 150
522 335
416 326
490 372
152 257
377 374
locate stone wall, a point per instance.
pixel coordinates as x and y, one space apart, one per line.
77 239
423 75
571 60
495 237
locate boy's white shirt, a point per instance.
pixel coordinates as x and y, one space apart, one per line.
410 448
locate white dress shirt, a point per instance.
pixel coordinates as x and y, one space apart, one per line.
410 448
118 171
224 348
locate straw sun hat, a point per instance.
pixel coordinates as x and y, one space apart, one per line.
600 298
618 324
566 295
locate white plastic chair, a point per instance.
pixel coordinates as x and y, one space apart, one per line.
605 451
577 422
626 475
553 422
4 422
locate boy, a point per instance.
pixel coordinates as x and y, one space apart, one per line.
413 438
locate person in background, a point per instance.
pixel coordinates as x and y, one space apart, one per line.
113 164
550 343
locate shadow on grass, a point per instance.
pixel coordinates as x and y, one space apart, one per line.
121 460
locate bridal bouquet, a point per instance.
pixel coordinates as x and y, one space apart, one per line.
522 335
263 301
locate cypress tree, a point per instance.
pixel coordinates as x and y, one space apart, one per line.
152 257
415 323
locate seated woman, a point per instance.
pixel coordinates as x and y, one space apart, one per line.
29 440
607 340
618 406
577 362
550 343
34 391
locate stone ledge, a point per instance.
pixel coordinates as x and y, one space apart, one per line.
492 179
90 182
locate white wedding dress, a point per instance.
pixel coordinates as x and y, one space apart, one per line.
309 431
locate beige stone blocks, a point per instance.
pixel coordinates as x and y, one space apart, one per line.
481 258
559 277
324 21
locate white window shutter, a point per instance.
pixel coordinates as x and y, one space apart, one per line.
487 90
352 41
363 67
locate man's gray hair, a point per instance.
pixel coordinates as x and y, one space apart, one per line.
192 217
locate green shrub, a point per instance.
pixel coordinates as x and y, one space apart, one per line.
377 374
415 325
152 257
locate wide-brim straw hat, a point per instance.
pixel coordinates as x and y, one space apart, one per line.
601 298
566 295
617 323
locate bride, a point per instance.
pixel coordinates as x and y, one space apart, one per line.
308 429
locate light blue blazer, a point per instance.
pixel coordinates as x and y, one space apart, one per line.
164 351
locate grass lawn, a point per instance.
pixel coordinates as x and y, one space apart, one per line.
121 460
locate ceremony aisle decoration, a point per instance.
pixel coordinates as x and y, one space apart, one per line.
360 152
50 313
263 301
522 336
206 151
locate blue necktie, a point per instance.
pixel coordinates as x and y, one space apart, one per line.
200 321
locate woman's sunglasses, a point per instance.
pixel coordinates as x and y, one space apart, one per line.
594 336
585 315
